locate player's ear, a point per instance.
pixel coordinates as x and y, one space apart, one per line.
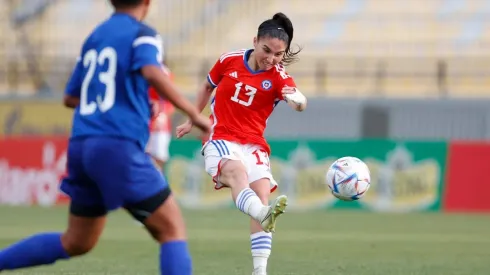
146 8
255 42
146 3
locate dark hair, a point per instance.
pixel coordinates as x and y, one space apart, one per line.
280 27
125 3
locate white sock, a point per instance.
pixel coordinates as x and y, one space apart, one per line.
249 203
261 248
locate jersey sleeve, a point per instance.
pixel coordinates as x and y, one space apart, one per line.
74 85
283 80
153 95
216 73
147 49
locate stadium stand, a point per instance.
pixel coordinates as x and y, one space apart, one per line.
360 48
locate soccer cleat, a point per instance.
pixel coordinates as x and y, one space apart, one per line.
259 271
275 210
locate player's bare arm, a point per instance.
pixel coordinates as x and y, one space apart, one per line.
164 86
203 95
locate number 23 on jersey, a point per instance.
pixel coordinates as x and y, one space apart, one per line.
91 61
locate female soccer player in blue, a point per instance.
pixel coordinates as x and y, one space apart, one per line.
107 164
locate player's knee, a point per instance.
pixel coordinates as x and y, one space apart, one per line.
76 246
233 173
166 223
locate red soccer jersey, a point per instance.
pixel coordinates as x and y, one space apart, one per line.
152 93
244 98
161 122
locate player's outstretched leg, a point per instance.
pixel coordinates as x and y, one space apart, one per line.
234 175
46 248
166 226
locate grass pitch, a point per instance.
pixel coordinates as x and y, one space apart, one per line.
320 243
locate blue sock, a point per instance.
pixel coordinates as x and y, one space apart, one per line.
40 249
175 258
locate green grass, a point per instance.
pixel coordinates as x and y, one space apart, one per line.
326 243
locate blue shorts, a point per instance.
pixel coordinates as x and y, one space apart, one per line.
109 173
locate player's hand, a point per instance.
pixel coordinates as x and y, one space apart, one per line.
199 121
183 129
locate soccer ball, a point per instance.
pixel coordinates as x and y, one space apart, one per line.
348 178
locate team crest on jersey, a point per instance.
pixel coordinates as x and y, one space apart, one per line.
266 84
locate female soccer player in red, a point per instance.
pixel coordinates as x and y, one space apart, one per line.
249 84
160 127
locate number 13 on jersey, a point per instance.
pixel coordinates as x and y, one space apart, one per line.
249 91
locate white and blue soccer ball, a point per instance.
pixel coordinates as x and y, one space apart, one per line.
348 178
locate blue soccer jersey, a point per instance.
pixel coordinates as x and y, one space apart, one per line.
107 163
107 79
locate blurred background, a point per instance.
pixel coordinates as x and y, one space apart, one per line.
414 70
388 72
403 85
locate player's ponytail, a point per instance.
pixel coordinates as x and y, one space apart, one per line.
281 27
281 19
